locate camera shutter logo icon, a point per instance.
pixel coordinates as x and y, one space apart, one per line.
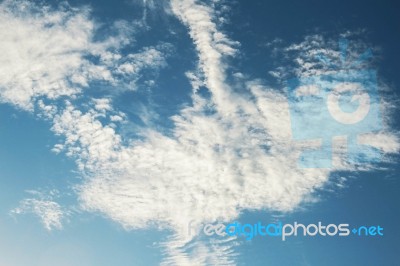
342 103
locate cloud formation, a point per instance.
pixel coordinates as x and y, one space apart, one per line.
227 153
50 53
43 51
50 213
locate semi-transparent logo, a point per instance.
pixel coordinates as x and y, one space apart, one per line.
344 103
283 231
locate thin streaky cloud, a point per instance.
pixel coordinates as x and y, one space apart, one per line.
227 154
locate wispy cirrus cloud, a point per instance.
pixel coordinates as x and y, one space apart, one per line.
50 213
227 153
49 50
44 51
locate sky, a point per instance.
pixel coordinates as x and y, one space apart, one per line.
127 127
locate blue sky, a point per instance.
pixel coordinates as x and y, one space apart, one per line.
122 124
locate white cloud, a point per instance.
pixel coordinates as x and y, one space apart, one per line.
96 144
232 153
48 49
50 212
212 45
200 252
318 56
385 141
44 49
102 105
216 165
149 57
